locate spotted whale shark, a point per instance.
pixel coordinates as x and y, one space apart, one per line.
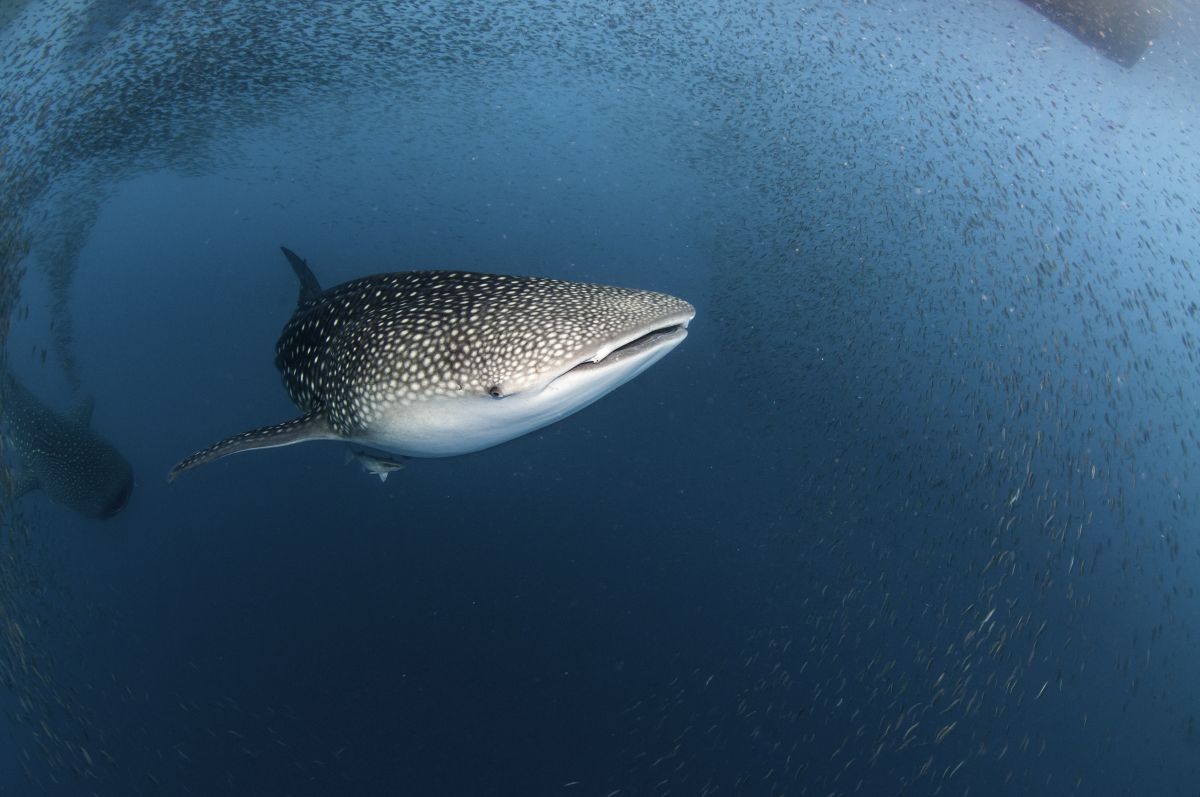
442 363
62 455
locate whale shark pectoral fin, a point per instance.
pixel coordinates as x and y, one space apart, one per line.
310 426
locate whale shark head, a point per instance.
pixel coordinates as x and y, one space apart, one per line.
440 363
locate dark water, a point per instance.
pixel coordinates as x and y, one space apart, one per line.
911 511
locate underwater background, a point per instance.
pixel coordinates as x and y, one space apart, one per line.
912 511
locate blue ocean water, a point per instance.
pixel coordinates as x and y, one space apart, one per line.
909 512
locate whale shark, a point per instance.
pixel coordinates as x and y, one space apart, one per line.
62 455
443 363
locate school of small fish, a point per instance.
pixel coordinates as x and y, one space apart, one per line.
969 396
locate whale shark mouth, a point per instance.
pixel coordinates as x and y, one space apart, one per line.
641 344
658 337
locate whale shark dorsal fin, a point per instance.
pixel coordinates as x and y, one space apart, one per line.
309 426
310 287
83 412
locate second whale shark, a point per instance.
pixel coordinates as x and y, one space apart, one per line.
62 455
440 363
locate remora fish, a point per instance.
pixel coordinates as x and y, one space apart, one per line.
61 455
440 363
379 464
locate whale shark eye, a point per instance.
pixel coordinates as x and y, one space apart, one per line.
495 392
